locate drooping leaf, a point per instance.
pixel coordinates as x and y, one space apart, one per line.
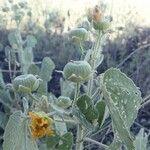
87 108
123 100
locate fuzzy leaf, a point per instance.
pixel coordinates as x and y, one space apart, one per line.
123 100
31 41
16 136
47 69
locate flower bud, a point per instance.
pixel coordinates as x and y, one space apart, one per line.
78 35
64 102
26 83
77 71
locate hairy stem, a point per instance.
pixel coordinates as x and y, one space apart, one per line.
79 141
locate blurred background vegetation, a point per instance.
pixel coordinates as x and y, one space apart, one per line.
127 47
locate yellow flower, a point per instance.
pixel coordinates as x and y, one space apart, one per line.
97 14
41 125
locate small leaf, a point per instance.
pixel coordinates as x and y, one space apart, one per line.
47 69
87 107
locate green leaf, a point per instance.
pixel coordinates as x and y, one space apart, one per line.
141 140
52 142
67 141
47 69
16 135
123 100
100 106
87 108
31 41
78 114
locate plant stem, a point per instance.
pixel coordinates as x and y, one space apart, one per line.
95 142
82 50
96 48
79 141
77 91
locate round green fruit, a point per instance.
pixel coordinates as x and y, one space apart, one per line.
77 71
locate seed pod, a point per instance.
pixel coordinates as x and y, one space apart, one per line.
26 83
78 35
64 102
77 71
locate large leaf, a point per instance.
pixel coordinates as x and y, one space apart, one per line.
141 140
87 108
17 135
47 69
123 100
